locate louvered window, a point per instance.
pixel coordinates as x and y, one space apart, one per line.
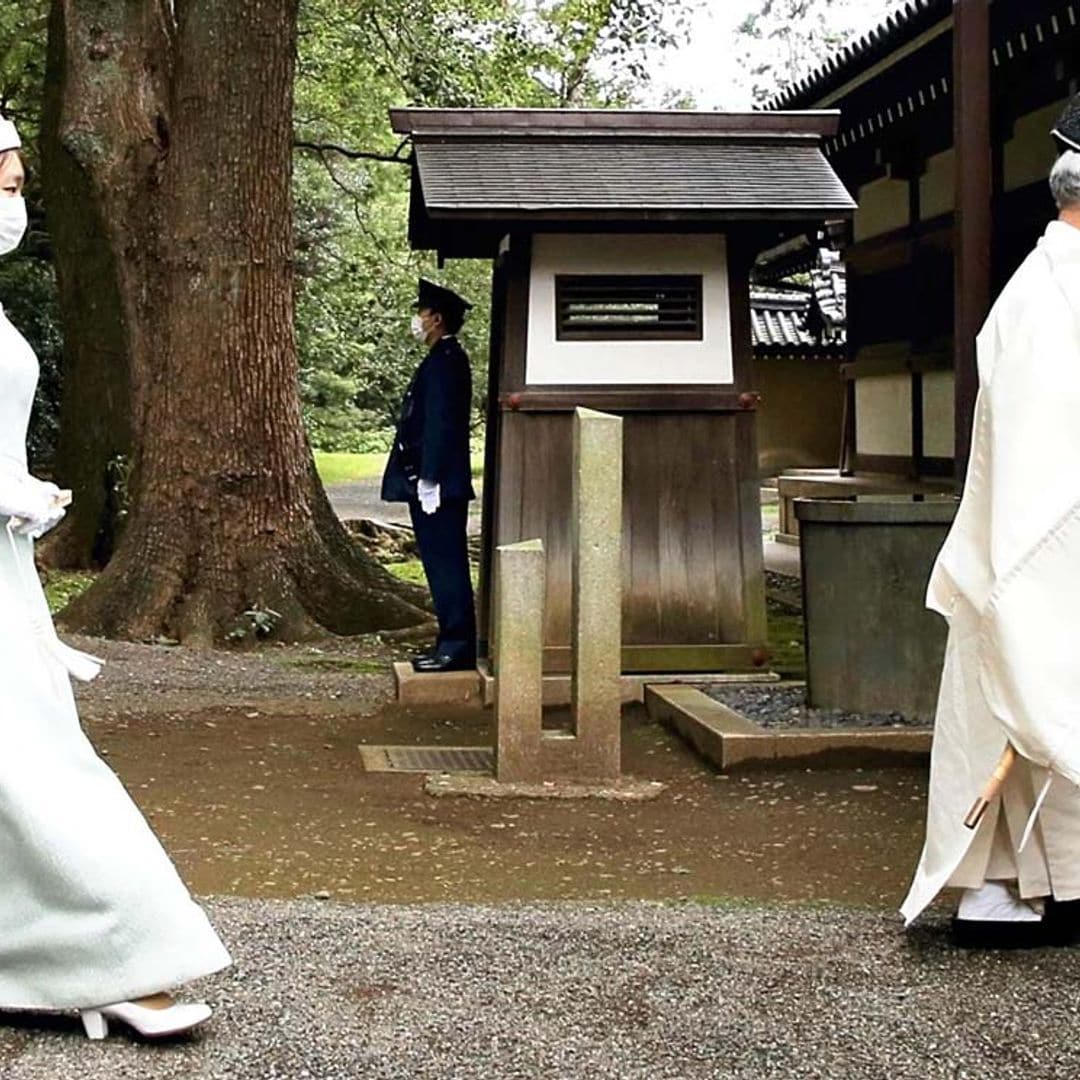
628 307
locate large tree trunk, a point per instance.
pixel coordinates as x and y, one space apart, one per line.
179 116
94 447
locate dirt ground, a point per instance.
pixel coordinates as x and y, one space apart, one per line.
248 767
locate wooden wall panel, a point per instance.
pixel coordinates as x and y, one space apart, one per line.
641 530
691 538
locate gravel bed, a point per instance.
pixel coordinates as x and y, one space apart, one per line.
783 582
627 992
338 674
785 706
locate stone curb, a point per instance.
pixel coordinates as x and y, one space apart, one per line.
478 687
626 789
729 740
449 688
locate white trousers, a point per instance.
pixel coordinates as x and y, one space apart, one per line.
1049 865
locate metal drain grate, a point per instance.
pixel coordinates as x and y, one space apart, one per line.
429 759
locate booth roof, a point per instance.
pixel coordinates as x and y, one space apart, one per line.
524 163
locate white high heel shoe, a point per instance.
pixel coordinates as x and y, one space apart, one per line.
150 1023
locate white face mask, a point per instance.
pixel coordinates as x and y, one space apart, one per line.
12 224
417 329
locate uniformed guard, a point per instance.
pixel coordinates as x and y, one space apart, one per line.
429 468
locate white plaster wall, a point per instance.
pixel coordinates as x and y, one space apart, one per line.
884 206
552 362
1030 153
939 416
883 414
937 186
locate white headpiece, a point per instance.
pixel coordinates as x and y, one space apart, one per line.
9 137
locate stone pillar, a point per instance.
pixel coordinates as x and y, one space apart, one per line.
520 577
597 593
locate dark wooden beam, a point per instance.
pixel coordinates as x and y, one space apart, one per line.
974 203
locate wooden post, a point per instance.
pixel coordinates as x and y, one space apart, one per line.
974 199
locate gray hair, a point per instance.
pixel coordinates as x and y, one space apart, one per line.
1065 180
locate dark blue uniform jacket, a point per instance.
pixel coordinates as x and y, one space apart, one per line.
432 441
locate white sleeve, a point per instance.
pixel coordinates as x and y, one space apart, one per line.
22 496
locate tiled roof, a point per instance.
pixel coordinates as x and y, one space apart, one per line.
462 175
512 163
779 318
810 319
900 28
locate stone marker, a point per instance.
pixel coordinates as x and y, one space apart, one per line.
597 593
520 576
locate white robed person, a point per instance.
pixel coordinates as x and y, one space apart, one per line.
1008 582
93 916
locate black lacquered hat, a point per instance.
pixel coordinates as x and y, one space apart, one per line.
432 297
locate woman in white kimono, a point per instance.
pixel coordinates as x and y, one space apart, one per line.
93 916
1008 581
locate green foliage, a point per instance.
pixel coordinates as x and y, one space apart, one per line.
63 586
256 624
29 298
27 283
783 41
356 275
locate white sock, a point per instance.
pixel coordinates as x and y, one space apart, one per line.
996 902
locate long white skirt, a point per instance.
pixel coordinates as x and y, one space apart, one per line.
968 742
91 909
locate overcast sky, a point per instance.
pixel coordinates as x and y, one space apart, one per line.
707 67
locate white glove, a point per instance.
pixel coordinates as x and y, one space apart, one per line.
36 530
430 499
25 499
46 514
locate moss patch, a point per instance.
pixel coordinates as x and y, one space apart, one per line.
412 571
786 642
63 586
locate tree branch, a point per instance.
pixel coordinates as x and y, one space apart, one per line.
355 155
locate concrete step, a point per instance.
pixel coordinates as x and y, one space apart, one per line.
729 740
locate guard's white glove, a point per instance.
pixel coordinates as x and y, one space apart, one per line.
430 497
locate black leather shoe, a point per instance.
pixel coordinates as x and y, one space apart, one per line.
427 654
992 934
1063 920
431 665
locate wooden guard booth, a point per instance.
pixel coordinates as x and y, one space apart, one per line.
622 244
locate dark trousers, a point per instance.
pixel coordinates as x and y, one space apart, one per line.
444 551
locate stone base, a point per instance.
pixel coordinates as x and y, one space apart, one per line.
729 740
448 688
795 484
556 689
626 789
478 687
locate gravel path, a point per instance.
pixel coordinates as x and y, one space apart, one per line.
785 707
631 992
339 674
